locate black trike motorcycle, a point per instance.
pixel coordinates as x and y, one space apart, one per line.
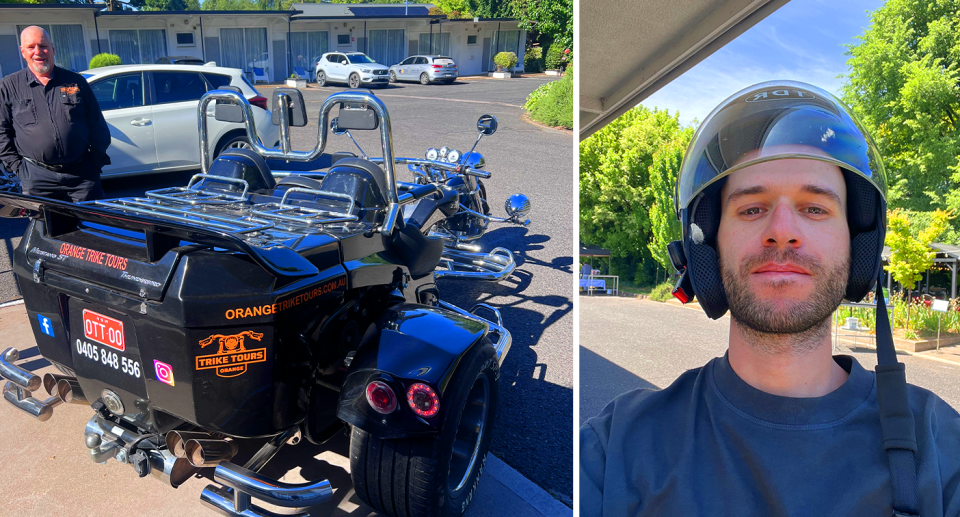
242 306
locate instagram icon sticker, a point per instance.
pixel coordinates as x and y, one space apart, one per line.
164 372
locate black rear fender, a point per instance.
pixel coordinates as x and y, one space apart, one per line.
415 344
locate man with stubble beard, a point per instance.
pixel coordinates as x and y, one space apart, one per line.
52 132
781 198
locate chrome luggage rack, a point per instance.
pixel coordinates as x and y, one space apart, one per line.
198 204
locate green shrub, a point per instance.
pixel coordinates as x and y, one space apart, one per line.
104 60
555 108
537 94
558 57
662 292
505 60
533 60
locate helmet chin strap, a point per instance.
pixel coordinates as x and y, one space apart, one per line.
896 420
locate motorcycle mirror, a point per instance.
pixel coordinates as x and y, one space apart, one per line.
226 111
487 124
334 126
517 206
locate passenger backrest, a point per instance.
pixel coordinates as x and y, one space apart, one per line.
246 165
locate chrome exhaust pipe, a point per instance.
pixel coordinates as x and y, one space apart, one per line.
170 469
176 440
13 373
209 452
69 391
240 484
50 382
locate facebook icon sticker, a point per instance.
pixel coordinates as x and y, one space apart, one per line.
45 325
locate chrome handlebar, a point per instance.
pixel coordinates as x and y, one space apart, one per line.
438 165
367 99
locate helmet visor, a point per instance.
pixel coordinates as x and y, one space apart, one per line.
776 120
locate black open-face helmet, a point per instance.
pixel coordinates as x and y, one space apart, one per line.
772 121
786 119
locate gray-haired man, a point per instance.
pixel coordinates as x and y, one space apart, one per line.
52 132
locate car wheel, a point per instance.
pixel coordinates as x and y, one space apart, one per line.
393 76
354 81
237 142
321 78
436 476
424 78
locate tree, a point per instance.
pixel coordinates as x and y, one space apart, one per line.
615 188
911 255
552 18
664 226
903 84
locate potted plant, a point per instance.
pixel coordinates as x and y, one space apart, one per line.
505 61
296 82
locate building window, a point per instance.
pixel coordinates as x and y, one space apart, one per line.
307 47
68 40
436 44
387 47
343 39
139 47
472 40
185 39
245 49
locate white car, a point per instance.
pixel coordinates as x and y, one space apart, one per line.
152 114
353 68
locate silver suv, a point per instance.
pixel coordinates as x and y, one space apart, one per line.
352 68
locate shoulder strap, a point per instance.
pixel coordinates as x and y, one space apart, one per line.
896 420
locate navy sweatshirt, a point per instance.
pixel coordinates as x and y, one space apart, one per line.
712 445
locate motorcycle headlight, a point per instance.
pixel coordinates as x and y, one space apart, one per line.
432 154
443 152
453 156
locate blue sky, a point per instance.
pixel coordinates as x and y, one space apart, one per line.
803 41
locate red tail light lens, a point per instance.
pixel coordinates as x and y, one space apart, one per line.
381 397
258 101
438 66
423 400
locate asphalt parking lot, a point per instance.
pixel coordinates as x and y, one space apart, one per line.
533 430
627 344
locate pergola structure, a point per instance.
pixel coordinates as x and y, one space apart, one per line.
595 251
947 254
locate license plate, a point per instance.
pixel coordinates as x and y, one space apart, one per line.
106 349
103 329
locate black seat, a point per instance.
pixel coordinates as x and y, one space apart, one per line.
360 179
300 181
246 165
420 253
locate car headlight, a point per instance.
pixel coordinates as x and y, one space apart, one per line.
365 70
432 154
453 156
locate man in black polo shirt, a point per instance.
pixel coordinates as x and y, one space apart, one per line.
52 133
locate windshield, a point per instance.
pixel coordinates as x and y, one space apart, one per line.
359 58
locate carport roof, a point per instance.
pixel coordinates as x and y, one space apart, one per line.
593 251
944 251
629 50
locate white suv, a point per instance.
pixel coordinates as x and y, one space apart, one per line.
353 68
152 114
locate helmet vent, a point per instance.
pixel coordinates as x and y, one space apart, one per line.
707 283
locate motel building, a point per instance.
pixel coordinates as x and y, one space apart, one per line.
276 41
